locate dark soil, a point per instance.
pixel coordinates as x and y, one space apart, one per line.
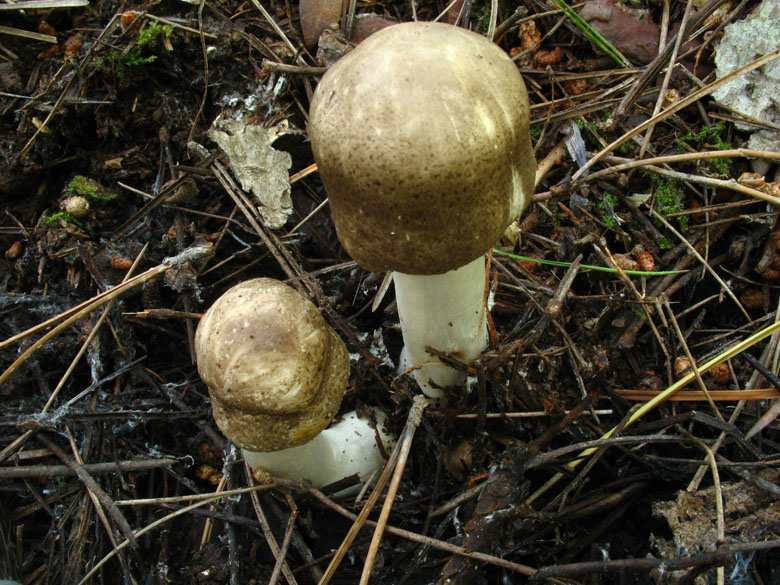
108 115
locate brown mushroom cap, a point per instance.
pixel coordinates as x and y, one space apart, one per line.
421 139
276 371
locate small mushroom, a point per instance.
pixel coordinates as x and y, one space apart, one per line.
276 374
421 138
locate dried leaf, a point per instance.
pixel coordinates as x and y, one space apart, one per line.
316 16
258 166
367 24
630 30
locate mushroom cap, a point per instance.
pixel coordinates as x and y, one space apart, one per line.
276 372
421 138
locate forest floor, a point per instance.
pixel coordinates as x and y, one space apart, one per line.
621 427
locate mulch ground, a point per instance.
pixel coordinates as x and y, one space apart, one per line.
566 459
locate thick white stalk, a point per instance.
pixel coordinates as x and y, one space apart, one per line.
445 312
346 448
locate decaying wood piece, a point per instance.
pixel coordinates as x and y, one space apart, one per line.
499 501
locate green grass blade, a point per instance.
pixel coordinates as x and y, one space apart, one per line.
592 34
587 266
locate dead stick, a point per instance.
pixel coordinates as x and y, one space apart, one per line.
422 539
93 487
61 470
283 550
272 66
415 417
269 535
720 556
370 503
87 307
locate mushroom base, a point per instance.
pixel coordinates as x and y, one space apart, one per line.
344 449
445 312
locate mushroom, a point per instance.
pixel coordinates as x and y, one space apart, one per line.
276 374
421 138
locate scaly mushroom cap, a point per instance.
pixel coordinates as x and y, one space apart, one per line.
276 371
421 139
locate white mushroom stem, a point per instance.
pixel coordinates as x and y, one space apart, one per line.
348 447
445 312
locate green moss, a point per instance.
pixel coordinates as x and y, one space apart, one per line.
555 221
151 33
626 148
669 200
139 52
667 196
87 187
62 216
484 16
134 58
710 134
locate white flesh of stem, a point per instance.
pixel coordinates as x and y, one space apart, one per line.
346 448
445 312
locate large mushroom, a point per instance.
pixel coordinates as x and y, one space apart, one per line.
421 138
276 374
